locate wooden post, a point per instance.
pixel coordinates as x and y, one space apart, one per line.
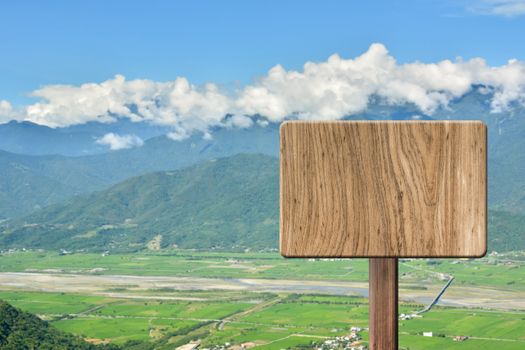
383 302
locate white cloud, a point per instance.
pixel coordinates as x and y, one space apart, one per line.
331 89
239 121
505 8
341 87
116 142
7 112
176 103
262 122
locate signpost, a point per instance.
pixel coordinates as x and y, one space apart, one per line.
383 190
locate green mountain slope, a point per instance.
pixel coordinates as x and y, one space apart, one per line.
231 203
23 331
506 231
23 189
52 178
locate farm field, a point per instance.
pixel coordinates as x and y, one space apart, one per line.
232 298
270 321
505 271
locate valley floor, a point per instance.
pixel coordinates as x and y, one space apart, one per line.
146 287
262 300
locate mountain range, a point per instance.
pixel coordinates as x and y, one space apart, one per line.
226 203
77 140
48 199
29 182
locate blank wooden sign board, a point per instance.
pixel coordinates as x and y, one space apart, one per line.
383 190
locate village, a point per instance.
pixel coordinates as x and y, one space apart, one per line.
352 341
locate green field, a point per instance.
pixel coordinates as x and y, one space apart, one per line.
504 271
268 320
277 321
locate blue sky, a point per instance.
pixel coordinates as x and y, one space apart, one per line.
233 42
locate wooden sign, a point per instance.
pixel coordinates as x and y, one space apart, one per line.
383 190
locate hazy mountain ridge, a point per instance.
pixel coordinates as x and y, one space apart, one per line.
70 176
23 191
74 175
76 140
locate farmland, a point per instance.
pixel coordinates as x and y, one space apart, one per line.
503 271
254 298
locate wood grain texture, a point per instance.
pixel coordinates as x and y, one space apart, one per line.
383 189
383 302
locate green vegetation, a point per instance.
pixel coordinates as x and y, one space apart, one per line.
60 303
188 310
219 220
21 330
141 317
305 314
31 179
273 322
501 271
31 190
230 203
118 330
37 181
506 230
123 321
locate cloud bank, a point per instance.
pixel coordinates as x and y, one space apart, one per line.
116 142
332 89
